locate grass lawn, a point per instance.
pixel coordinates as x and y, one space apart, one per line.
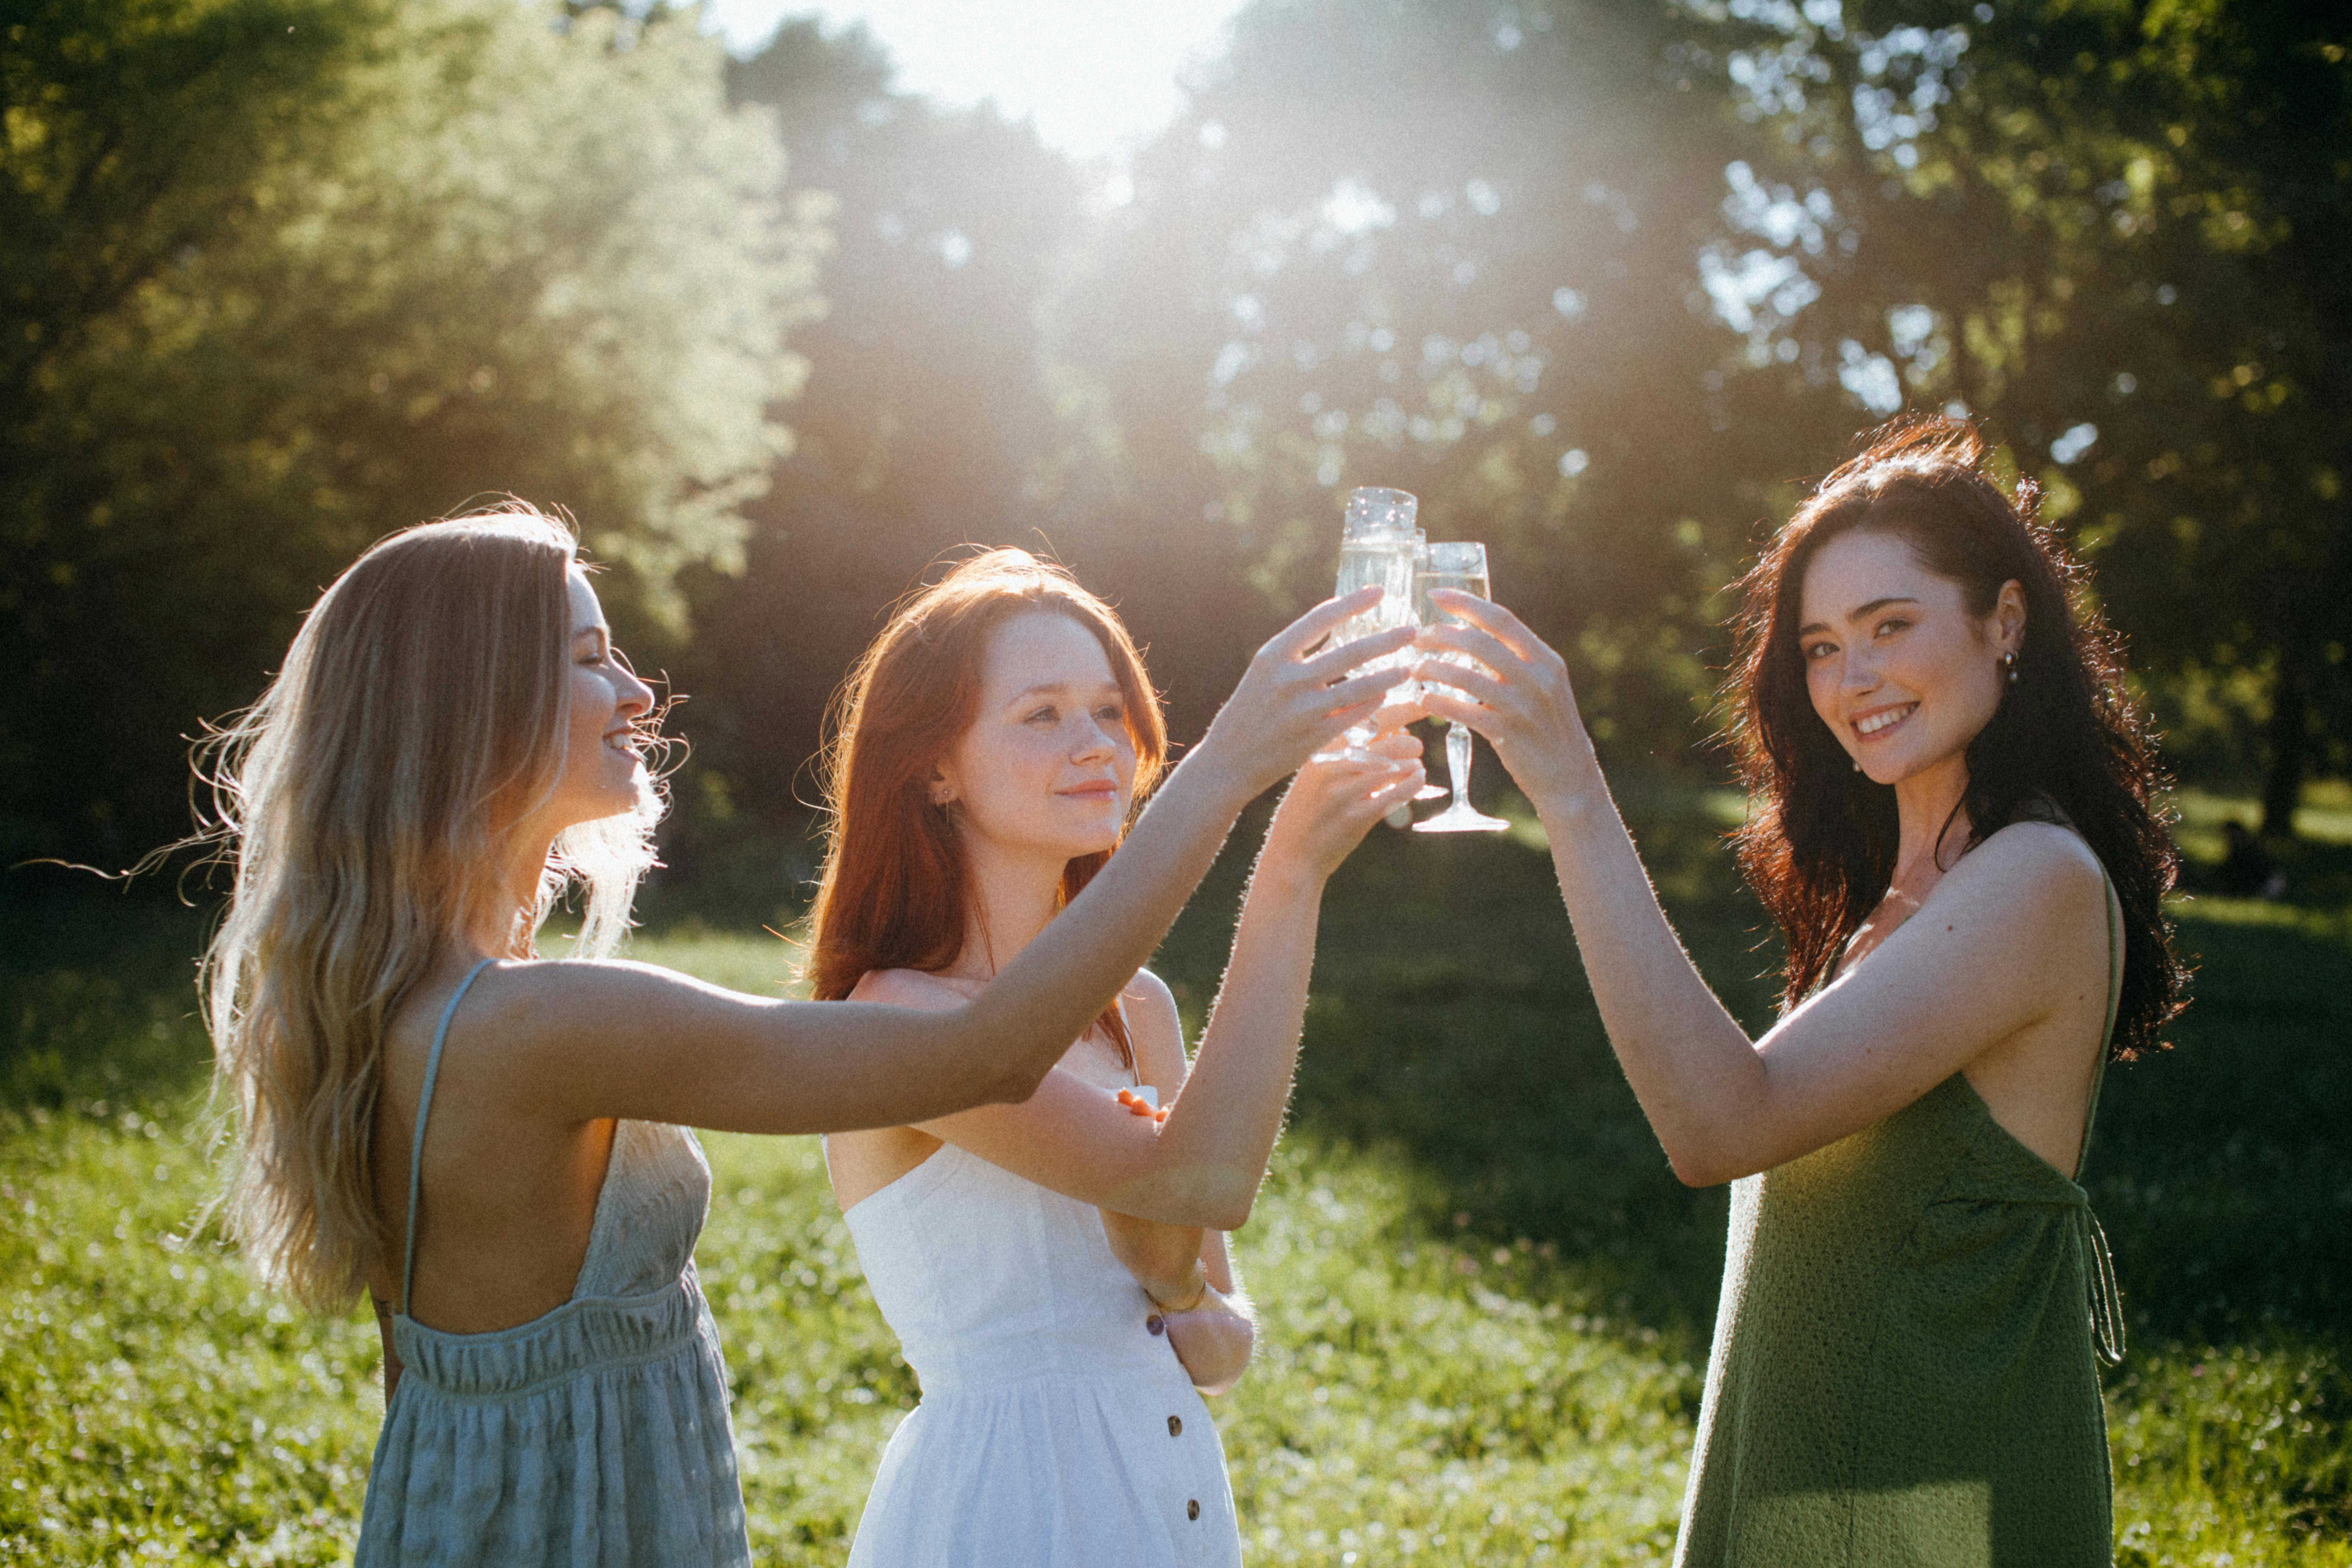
1487 1299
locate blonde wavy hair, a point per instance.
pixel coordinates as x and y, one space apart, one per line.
365 803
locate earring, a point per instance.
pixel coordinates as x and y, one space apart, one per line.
1857 768
2008 663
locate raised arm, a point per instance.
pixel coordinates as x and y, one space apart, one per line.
1999 945
587 1040
1201 1167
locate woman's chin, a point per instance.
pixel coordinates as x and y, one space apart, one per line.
1082 844
1895 767
631 799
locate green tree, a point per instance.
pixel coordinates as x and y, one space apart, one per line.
2117 228
926 420
285 292
1451 248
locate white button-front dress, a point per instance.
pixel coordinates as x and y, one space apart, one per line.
1057 1428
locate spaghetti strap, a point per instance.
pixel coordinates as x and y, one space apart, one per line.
2115 1005
416 1143
2098 1265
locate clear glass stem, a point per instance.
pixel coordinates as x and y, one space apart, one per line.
1460 815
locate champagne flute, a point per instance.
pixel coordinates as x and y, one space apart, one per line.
1377 545
1432 790
1461 567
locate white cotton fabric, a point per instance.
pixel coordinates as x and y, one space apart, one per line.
1055 1429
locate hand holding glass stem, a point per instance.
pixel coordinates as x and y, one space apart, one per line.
1459 566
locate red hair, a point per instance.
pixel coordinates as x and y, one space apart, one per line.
896 893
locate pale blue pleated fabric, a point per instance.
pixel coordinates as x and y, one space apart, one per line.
595 1434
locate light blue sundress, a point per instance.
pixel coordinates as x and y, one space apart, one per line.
597 1434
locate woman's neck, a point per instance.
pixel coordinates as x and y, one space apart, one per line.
498 925
1013 898
1930 823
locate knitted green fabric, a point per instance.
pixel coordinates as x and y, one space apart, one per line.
1905 1363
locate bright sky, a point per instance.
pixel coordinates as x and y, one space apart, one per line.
1097 76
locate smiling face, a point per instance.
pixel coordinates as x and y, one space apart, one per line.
1047 768
604 770
1897 665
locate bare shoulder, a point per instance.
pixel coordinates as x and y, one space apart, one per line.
909 988
1158 1028
568 995
2040 874
522 1019
2047 855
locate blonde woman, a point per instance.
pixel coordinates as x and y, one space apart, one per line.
494 1146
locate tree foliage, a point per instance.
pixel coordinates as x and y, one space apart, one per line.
927 421
2116 227
1601 281
1450 248
294 273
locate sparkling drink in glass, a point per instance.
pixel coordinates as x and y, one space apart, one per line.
1462 566
1378 544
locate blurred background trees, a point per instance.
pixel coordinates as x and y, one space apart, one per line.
926 420
2118 231
1602 281
284 275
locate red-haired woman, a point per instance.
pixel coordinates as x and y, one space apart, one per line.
1055 1270
1951 826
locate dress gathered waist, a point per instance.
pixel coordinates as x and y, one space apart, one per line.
593 1333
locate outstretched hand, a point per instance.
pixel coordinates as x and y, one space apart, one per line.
1330 806
1292 700
1519 698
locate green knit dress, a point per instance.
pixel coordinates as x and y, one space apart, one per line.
1905 1368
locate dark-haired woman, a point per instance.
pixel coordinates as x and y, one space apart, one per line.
1952 828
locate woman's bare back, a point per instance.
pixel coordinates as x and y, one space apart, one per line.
509 1194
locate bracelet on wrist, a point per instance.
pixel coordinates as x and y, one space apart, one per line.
1196 1292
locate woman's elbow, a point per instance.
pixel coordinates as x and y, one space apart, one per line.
1701 1166
1220 1197
1696 1176
1226 1217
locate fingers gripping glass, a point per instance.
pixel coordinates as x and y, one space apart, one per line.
1461 567
1378 544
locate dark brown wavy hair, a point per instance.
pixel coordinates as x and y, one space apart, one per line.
2067 742
896 891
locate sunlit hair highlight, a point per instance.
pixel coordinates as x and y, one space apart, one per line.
363 804
896 892
2066 741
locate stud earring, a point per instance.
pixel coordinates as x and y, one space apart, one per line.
1857 766
2008 663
